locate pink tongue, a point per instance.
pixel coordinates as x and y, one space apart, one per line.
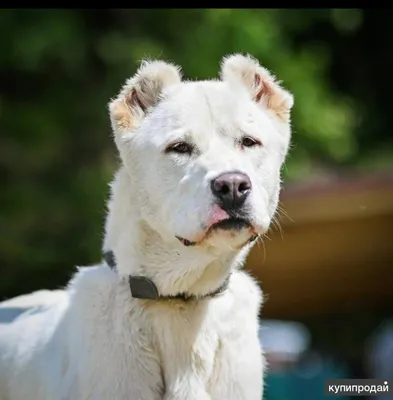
217 214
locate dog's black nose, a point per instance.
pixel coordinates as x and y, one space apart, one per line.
232 189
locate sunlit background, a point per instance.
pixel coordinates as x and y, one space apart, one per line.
326 267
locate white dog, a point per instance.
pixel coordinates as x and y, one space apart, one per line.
169 314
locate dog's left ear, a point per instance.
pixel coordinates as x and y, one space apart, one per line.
260 83
139 93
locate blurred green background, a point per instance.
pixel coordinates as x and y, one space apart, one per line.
59 68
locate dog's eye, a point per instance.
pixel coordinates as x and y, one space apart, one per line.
180 148
248 141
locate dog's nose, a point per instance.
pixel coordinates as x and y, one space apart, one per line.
232 189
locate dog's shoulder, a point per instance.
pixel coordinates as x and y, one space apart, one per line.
98 295
91 283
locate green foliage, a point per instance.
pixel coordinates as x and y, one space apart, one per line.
59 69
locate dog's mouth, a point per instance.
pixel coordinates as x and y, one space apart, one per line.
230 224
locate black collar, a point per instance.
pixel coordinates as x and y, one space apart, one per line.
144 288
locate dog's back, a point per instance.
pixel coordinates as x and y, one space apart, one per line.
26 326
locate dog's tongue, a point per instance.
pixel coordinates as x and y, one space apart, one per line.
217 215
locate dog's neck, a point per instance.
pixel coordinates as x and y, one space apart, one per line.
140 250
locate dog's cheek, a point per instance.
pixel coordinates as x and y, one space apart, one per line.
259 201
160 196
186 214
263 180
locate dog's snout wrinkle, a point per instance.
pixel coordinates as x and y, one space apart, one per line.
231 189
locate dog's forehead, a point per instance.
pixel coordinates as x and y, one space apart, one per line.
205 111
198 104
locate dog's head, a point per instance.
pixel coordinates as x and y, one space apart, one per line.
204 157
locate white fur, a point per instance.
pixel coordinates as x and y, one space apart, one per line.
94 341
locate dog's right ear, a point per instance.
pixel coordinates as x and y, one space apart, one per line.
263 87
139 93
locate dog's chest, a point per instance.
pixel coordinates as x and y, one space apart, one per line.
205 345
187 336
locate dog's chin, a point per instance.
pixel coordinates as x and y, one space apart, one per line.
229 233
233 233
230 225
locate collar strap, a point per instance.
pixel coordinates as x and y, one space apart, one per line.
144 288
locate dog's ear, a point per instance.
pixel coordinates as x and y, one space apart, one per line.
141 92
260 83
